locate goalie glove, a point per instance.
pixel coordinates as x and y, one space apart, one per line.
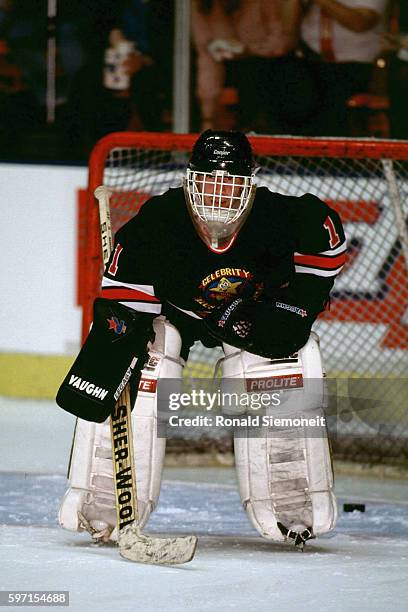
270 329
114 353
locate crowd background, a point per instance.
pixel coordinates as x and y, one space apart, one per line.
299 67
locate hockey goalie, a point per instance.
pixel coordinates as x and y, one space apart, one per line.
232 265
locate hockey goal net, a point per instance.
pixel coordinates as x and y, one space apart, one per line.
364 335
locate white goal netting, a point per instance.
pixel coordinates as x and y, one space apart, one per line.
364 335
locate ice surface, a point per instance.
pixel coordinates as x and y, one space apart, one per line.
362 565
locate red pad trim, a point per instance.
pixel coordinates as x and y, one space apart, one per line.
148 385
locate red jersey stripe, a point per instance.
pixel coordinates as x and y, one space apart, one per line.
113 293
328 263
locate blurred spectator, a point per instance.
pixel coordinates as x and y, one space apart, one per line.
149 23
136 101
255 40
27 39
78 31
341 41
397 41
86 109
82 36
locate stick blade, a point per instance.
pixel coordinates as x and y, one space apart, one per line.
140 548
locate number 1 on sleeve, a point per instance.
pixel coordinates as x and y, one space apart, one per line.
334 239
113 268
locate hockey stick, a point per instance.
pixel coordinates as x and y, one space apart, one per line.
133 544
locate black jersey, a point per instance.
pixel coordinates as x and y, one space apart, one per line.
291 247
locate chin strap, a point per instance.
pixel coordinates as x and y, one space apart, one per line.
299 537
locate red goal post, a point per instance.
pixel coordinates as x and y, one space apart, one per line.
365 332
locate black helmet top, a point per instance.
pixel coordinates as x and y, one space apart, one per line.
216 150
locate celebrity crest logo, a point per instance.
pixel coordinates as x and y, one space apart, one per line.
118 327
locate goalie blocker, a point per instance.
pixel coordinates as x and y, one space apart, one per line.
114 353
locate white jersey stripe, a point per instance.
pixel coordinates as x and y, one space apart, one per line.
317 271
330 253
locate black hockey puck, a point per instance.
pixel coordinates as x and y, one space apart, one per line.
352 507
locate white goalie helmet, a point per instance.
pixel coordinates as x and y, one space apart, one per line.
219 186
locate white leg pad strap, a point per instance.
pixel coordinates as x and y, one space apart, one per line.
91 490
285 478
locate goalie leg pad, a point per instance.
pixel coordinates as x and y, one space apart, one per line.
91 490
285 477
